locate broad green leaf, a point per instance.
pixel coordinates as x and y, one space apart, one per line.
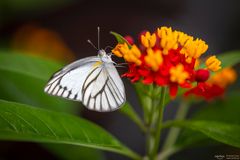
28 65
29 90
23 79
226 110
230 58
223 110
223 132
20 122
72 152
120 38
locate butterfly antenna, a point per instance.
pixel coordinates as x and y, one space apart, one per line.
108 47
90 42
98 28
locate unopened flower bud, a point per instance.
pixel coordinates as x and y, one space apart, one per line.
202 75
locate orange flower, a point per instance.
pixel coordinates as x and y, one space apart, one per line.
35 40
224 78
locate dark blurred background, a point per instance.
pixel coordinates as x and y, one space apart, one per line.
63 26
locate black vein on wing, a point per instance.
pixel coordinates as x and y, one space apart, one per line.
100 93
114 90
84 83
116 87
107 99
84 89
60 87
112 95
101 102
69 93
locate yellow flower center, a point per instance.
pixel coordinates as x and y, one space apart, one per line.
168 39
148 40
172 39
213 63
177 74
184 39
153 59
195 48
133 55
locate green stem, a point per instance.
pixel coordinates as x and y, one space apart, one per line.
159 121
144 96
150 137
128 152
174 132
166 153
155 136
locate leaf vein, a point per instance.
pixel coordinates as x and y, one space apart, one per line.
29 124
12 125
49 128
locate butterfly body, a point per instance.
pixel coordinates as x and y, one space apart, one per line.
93 80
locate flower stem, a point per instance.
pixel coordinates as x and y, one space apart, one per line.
160 110
165 153
174 132
150 124
154 130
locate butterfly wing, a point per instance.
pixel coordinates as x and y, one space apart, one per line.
67 82
104 91
97 85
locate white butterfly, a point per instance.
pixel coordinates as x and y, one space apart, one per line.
93 80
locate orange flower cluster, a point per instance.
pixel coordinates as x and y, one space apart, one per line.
167 58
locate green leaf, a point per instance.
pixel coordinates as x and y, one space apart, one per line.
226 110
28 65
219 131
24 123
120 38
229 58
23 79
72 152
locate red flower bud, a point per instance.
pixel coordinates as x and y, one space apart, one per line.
202 75
129 39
